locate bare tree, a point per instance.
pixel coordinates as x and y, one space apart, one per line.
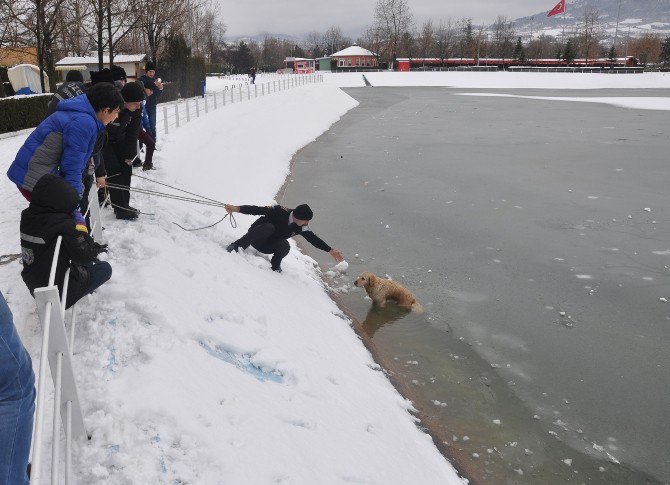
158 18
393 18
39 18
334 39
590 35
646 48
372 39
503 37
426 40
444 40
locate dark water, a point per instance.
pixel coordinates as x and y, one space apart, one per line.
543 355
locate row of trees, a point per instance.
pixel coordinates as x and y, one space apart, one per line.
76 27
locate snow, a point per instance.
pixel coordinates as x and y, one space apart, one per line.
504 80
199 366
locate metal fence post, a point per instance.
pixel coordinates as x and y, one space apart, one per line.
263 89
188 112
255 90
240 92
206 108
224 97
165 119
248 92
197 108
176 114
215 106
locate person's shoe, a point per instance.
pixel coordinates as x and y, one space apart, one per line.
148 166
137 162
232 247
277 269
126 215
132 209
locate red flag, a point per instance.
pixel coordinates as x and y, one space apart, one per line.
559 8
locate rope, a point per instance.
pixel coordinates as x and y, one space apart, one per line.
203 200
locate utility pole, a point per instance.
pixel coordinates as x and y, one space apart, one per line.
616 31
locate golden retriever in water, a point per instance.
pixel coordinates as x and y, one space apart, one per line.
380 290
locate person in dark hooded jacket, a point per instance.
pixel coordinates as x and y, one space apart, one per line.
269 233
121 149
48 216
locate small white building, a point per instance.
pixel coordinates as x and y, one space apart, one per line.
131 63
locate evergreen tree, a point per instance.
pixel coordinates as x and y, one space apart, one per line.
612 54
242 59
519 51
569 52
665 52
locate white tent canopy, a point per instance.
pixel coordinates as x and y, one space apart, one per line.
27 76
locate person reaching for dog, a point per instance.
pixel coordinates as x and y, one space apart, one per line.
269 233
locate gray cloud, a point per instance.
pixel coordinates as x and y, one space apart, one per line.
296 17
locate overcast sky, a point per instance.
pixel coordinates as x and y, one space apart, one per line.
296 17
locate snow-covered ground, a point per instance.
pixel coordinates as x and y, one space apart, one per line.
199 366
503 80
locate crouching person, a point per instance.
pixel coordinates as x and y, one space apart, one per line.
48 216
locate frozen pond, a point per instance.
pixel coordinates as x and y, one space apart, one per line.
536 233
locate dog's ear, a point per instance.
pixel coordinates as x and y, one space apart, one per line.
372 279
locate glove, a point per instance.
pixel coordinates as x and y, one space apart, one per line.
99 248
80 222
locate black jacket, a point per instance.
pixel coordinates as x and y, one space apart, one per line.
66 91
121 139
278 216
150 83
49 216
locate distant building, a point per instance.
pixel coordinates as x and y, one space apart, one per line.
12 56
132 63
355 57
323 63
298 65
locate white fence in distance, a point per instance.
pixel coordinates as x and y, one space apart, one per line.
174 114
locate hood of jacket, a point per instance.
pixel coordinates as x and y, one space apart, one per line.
80 104
54 194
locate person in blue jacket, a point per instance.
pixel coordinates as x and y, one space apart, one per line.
153 88
17 401
64 141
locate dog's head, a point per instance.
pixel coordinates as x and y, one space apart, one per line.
365 280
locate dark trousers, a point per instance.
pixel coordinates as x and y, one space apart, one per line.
121 198
258 237
149 142
151 113
98 274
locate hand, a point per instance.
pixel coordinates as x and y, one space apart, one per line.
231 208
337 256
99 248
159 85
129 161
148 91
101 182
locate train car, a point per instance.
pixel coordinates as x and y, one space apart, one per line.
407 64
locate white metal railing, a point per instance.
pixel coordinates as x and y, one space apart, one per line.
58 351
176 113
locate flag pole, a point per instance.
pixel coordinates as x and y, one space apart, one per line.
564 9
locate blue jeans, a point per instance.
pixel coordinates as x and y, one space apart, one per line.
17 402
151 113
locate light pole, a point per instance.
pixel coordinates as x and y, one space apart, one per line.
616 31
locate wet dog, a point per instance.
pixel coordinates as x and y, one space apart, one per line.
381 290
